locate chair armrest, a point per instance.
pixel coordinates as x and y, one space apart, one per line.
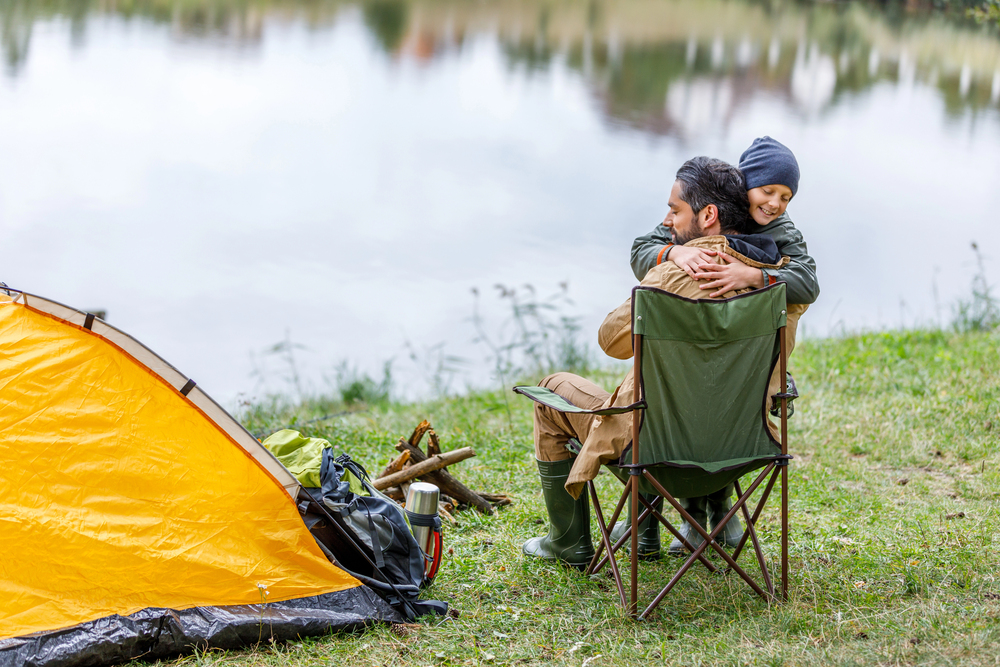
550 399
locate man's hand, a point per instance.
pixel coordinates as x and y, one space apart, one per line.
690 259
730 276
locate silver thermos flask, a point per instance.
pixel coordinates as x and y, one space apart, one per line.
422 509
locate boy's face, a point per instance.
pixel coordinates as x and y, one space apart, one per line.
768 202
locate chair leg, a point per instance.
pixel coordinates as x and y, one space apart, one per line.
710 539
618 544
606 541
606 550
601 559
756 514
633 607
751 524
752 533
699 554
784 527
746 518
598 561
676 533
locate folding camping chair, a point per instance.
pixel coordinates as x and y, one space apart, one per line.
702 370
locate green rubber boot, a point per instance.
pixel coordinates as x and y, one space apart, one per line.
719 504
697 508
569 520
649 530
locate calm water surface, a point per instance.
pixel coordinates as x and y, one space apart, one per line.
221 177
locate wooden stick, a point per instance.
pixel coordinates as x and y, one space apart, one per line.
424 467
396 464
497 498
433 444
443 511
446 482
418 433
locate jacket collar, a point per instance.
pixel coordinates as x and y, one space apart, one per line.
720 243
782 219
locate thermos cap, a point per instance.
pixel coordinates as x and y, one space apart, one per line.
422 498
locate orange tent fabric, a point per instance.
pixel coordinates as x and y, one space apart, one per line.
118 492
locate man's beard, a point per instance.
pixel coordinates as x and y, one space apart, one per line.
680 238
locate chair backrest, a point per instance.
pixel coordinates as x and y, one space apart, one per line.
704 371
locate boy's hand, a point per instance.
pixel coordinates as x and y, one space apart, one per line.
730 276
689 259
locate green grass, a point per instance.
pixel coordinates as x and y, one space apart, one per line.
894 497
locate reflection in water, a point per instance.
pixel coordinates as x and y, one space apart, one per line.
387 21
658 66
341 173
706 65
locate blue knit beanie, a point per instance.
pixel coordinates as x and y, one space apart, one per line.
769 162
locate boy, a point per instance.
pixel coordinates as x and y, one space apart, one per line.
772 176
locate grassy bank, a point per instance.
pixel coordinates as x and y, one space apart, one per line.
894 507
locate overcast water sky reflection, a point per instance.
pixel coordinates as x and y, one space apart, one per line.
342 177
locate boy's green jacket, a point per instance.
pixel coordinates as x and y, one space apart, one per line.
799 275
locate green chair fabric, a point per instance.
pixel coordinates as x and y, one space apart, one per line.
705 369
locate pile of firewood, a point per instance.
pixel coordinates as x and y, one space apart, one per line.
413 464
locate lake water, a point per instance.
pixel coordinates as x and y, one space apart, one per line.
224 176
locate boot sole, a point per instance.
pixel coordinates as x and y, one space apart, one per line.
576 566
553 559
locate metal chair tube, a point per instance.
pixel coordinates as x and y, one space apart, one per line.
634 478
784 468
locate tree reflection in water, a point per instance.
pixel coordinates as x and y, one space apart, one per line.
664 67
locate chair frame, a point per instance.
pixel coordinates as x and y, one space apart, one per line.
777 466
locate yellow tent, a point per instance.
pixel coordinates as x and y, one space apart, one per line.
124 487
